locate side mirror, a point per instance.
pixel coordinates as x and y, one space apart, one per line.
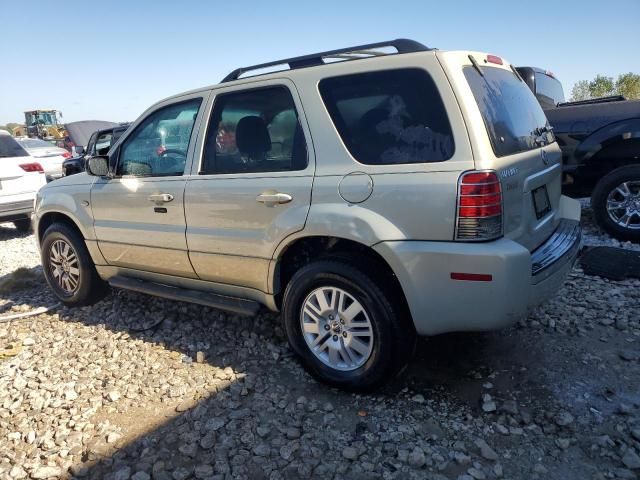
78 150
98 166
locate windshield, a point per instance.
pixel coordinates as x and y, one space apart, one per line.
548 90
41 119
34 143
10 148
511 113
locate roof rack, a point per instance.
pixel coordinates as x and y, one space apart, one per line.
402 45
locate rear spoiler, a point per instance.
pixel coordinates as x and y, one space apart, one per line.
612 98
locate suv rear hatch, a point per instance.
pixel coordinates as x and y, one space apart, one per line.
512 137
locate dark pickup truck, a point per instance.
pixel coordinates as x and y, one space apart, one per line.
600 142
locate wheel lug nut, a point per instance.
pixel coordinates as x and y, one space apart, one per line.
344 334
335 338
327 327
342 321
330 317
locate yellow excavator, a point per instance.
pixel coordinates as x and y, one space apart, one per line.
44 124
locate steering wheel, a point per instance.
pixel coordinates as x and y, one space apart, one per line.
176 164
174 151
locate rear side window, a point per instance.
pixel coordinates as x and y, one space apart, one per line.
255 131
10 148
389 117
548 90
511 113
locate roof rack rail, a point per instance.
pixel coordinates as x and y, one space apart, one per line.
402 45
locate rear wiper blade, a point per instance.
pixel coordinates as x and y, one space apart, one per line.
476 66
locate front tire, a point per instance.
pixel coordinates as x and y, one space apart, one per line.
68 267
344 327
616 203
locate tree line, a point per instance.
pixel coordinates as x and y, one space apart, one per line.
627 85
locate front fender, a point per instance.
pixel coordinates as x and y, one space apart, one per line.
72 202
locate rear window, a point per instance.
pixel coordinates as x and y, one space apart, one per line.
34 143
548 90
389 117
510 111
10 148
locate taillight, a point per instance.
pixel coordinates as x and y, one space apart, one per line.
479 209
494 59
66 155
32 167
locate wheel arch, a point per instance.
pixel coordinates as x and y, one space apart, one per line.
49 218
615 137
303 250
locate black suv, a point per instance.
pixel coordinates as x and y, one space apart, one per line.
600 142
99 144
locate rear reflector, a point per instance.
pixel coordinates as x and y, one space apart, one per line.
479 209
494 59
32 167
472 277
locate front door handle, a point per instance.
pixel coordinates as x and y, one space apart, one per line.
273 198
161 198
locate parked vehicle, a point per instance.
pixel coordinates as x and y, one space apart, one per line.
423 205
600 142
20 178
99 144
49 156
78 133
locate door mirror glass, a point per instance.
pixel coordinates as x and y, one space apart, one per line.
98 166
78 150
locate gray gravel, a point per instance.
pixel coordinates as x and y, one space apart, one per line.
208 395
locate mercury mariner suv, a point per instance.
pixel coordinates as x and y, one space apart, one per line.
370 194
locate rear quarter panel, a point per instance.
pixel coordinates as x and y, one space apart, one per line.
407 201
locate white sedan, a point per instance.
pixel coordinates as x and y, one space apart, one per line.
49 156
21 176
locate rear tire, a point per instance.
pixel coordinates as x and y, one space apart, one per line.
23 225
68 267
620 188
356 352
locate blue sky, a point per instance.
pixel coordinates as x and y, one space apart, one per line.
110 60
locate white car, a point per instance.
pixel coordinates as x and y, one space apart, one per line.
21 176
48 155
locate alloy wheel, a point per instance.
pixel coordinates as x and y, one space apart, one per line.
64 266
623 205
337 328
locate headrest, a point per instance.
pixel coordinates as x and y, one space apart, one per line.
252 135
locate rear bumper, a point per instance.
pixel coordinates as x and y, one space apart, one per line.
16 210
520 279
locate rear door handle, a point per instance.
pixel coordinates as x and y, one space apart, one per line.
273 198
161 198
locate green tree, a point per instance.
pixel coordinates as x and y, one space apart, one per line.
580 91
601 86
628 84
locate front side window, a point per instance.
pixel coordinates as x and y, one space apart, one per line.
103 143
254 131
512 115
159 145
389 117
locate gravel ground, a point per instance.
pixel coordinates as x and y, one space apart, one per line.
85 393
